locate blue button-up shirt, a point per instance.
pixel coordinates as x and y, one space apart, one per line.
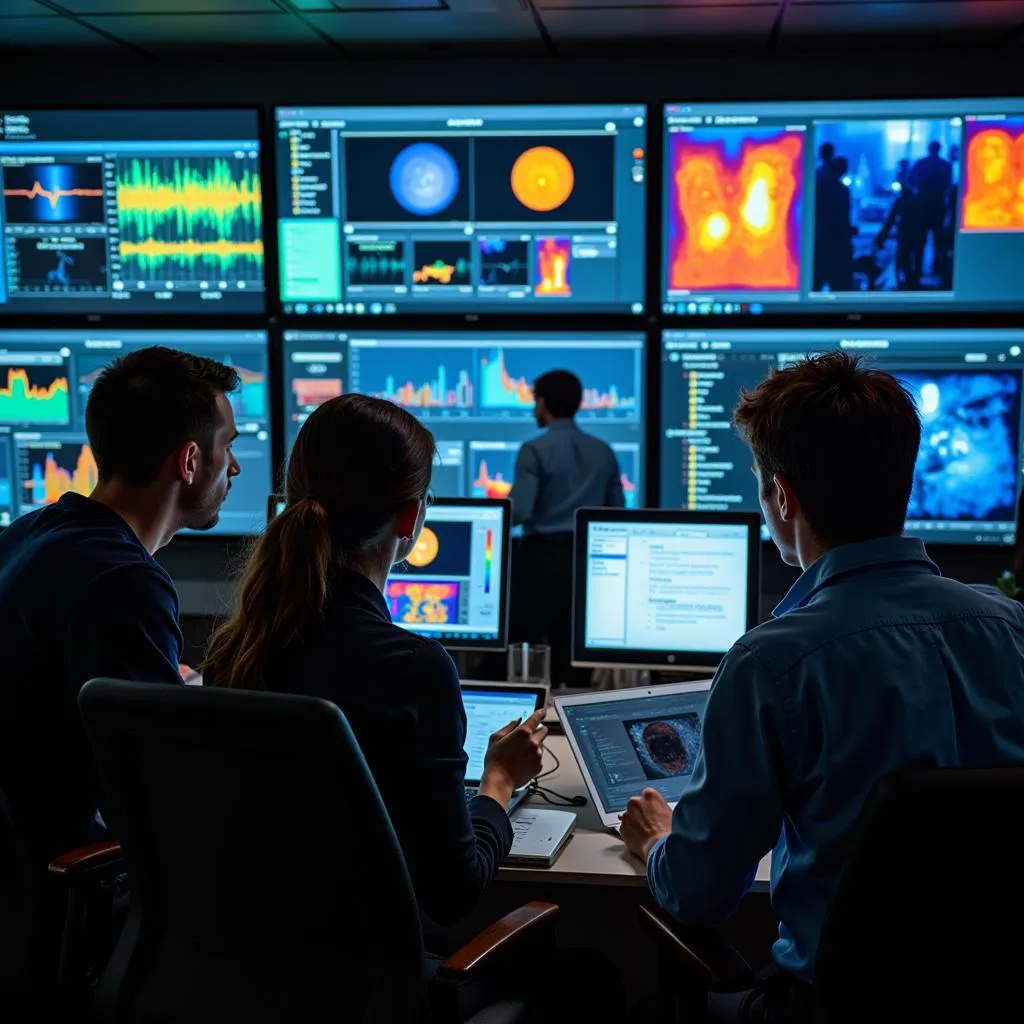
562 470
873 662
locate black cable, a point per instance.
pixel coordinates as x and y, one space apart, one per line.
550 796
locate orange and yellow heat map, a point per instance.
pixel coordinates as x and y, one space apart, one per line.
734 211
994 178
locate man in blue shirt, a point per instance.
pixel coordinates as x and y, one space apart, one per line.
80 592
562 470
873 662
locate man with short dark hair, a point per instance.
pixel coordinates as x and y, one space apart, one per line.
562 470
80 592
872 663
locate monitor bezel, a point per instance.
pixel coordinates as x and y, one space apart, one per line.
172 319
514 319
484 644
663 660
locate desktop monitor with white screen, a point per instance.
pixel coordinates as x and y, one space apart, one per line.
454 585
663 589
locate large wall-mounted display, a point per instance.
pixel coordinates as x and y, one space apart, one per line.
966 383
146 211
45 380
474 391
906 206
526 209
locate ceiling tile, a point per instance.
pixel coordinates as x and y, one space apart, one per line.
174 7
577 30
22 9
840 24
414 32
207 30
385 5
641 5
53 31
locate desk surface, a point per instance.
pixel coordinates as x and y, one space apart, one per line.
593 856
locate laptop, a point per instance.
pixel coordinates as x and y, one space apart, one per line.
490 707
627 740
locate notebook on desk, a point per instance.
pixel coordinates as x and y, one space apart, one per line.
627 740
490 707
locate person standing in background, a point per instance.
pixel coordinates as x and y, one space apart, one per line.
557 473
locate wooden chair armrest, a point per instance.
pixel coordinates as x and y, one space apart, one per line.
85 858
703 953
510 931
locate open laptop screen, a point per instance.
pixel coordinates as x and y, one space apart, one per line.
487 711
634 739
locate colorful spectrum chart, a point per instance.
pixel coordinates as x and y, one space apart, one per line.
131 211
53 468
842 207
35 393
528 209
46 378
474 390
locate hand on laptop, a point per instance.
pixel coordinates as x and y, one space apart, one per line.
647 819
513 758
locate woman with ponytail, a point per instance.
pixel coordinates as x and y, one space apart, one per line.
312 619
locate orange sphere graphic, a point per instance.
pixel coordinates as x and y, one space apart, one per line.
425 549
542 178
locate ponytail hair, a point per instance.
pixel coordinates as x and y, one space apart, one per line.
357 463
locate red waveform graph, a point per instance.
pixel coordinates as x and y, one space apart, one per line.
994 177
52 196
734 210
486 486
314 391
553 262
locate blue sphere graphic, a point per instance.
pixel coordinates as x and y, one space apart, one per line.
424 178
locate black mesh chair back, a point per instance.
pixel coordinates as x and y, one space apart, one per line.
266 880
925 923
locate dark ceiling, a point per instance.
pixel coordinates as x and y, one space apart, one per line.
362 28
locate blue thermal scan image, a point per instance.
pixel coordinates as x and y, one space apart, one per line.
666 747
424 178
970 445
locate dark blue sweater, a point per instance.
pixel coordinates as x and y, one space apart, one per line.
80 597
401 696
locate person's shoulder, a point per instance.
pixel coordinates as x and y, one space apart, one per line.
137 582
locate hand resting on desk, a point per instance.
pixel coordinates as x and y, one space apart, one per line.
647 819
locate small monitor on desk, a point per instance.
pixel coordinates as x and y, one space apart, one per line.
454 586
662 589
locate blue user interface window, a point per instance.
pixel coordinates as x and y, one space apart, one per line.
475 393
848 207
45 380
966 384
148 211
515 209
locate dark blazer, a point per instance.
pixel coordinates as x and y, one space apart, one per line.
401 695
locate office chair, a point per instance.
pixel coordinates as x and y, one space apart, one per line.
50 956
924 924
267 883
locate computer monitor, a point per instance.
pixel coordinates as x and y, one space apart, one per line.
533 209
856 207
473 389
45 380
131 211
967 385
454 586
661 589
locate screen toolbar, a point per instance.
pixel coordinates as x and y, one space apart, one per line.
966 384
843 206
474 390
45 380
144 211
470 209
